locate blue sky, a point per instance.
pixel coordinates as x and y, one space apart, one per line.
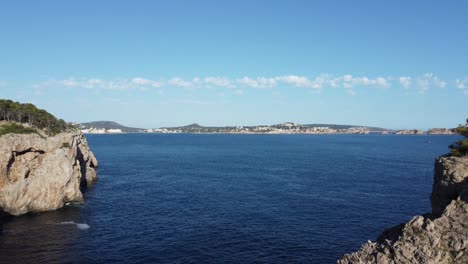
394 64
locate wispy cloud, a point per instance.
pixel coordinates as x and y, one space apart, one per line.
180 82
218 81
349 81
462 84
319 82
405 81
146 82
259 82
427 81
100 84
420 84
298 81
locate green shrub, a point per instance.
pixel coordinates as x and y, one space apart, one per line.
16 129
65 145
460 148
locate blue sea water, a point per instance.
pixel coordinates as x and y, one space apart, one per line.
181 198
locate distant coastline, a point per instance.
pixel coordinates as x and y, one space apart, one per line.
109 127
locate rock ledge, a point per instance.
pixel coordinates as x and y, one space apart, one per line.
44 173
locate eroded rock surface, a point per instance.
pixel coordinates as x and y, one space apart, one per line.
44 173
438 237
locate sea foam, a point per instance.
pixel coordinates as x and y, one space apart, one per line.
81 226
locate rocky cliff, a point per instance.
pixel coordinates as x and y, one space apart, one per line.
39 173
438 237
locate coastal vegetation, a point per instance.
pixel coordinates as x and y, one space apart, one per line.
32 116
15 129
460 148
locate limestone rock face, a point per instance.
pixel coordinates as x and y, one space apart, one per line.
450 179
440 237
44 173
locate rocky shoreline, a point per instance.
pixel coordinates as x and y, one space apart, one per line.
40 173
437 237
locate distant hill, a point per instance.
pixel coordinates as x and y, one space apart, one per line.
109 125
335 126
196 128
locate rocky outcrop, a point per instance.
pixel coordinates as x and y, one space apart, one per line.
40 173
441 131
438 237
450 180
409 132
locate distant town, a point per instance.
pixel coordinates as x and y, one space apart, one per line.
109 127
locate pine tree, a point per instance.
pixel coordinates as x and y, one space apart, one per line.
460 148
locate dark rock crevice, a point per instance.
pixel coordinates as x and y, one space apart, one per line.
82 162
17 154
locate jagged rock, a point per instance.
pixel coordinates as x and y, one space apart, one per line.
40 173
450 179
439 237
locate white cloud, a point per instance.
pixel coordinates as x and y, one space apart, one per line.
100 84
217 81
428 80
405 81
180 82
324 80
462 84
146 82
298 81
348 81
381 82
329 81
259 82
319 82
347 78
420 84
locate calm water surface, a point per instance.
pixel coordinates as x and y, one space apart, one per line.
233 199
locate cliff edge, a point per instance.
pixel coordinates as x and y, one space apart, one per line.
39 173
437 237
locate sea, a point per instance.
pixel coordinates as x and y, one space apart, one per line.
218 198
